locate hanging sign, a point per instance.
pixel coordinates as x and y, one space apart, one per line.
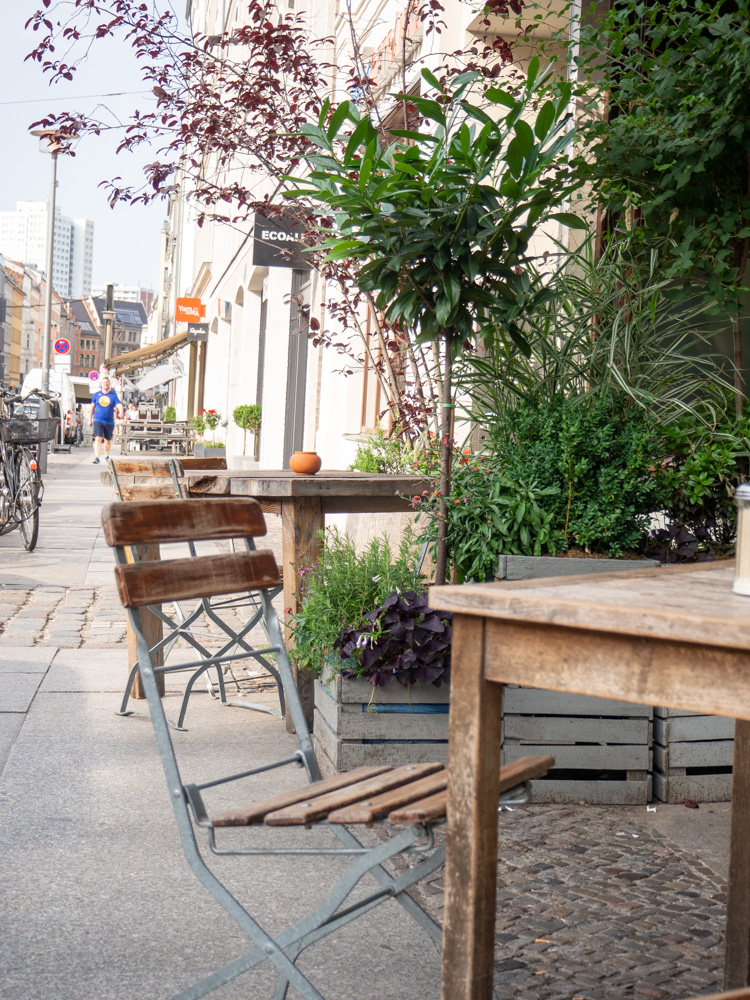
62 346
197 331
189 311
277 243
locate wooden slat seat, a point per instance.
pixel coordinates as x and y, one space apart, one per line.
316 808
413 793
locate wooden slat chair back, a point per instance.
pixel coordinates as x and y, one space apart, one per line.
410 800
185 625
157 469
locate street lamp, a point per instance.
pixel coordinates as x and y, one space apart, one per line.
49 142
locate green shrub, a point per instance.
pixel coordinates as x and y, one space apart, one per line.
170 415
394 454
248 418
342 587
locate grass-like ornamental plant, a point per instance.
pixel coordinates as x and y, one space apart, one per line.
403 638
342 588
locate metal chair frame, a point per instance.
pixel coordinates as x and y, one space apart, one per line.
182 625
191 814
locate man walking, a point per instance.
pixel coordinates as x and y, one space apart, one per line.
105 405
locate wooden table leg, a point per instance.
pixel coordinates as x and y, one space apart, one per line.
152 633
471 838
301 520
737 940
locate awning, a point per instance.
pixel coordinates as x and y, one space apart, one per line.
158 376
124 363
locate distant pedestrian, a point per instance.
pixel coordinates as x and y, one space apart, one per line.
132 412
105 406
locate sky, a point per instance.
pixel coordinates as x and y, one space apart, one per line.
126 239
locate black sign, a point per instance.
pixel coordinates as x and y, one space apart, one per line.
197 331
277 244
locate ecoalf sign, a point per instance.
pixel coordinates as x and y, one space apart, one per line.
276 243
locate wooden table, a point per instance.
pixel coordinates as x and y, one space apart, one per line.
303 502
675 637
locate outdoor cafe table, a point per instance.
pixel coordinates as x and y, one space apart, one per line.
675 637
303 503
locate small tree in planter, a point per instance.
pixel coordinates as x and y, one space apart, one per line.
212 420
438 221
199 425
248 417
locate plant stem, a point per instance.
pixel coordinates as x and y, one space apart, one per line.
446 453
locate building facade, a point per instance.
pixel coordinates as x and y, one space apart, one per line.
257 348
23 237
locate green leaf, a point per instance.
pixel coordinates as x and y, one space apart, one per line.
362 134
544 120
498 96
429 109
525 137
532 72
514 157
431 79
569 220
338 117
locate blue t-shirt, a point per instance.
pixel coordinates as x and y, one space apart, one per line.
104 404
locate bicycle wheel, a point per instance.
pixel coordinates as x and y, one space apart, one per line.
28 500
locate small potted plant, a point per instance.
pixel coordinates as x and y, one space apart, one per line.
208 420
248 418
380 654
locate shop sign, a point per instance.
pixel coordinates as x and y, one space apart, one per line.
277 243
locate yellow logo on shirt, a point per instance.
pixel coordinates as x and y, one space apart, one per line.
104 401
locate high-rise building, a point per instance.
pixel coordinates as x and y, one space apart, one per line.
127 293
23 237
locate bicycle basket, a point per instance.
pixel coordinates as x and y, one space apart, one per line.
25 430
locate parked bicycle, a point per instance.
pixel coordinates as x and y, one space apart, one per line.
21 487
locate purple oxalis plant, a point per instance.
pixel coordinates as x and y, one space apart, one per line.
404 638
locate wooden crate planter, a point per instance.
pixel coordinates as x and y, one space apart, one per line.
356 724
692 756
602 748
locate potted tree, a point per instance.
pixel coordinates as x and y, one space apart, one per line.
208 420
248 418
381 656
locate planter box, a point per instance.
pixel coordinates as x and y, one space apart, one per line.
356 724
206 451
692 756
602 748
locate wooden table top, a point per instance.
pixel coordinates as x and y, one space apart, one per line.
274 484
690 603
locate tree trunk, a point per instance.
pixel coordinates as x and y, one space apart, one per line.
446 455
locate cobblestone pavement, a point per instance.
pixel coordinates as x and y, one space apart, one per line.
592 906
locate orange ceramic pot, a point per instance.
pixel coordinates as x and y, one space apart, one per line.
305 463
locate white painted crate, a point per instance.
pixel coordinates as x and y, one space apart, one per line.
602 747
692 756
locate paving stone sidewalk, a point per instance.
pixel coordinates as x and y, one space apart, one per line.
593 905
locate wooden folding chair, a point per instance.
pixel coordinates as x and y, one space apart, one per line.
166 475
410 800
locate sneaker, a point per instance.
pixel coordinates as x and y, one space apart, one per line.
107 458
96 461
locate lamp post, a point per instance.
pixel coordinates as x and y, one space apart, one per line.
49 142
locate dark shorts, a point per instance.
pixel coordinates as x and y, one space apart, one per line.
103 430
